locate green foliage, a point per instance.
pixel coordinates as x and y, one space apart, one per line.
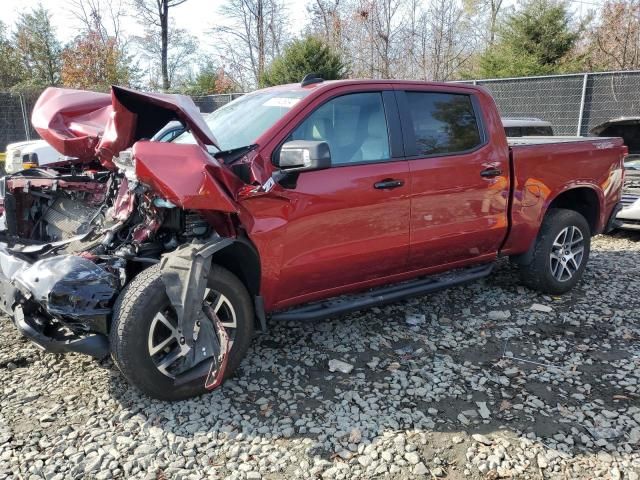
209 80
95 62
308 55
535 40
11 70
37 48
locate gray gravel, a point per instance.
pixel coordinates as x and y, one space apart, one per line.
473 382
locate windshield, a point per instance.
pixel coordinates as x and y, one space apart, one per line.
241 122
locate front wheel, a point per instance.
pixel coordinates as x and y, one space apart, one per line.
560 253
144 339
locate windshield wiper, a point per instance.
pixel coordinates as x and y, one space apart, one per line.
233 155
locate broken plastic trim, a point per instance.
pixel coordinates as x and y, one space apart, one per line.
95 345
208 370
185 273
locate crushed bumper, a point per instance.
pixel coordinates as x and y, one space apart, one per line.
95 345
60 303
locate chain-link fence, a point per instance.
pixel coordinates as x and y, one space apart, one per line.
574 104
12 119
209 103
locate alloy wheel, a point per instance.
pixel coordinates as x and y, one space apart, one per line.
163 341
567 253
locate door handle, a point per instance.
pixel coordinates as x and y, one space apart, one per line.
388 183
490 172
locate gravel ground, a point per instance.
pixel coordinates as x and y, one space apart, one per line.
468 383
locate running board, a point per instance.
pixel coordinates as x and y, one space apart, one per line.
382 295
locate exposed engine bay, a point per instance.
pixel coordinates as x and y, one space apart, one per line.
82 236
94 214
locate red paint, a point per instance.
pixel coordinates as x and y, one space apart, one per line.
71 121
456 214
334 233
542 174
89 124
124 202
330 236
183 174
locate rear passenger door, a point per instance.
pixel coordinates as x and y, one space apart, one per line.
459 183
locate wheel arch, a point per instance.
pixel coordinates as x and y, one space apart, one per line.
583 199
241 258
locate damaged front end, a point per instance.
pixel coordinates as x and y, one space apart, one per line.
77 233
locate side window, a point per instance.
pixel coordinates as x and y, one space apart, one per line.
443 122
353 125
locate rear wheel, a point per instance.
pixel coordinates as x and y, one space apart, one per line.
560 253
145 344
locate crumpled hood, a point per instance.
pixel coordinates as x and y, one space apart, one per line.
87 125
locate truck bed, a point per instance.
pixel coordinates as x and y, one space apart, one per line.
544 167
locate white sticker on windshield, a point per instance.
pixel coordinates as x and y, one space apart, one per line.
284 102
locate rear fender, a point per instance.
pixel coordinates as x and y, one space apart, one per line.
527 219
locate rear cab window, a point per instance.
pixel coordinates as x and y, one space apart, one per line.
442 124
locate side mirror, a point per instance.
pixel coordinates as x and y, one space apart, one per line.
304 155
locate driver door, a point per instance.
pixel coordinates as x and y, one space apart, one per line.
349 224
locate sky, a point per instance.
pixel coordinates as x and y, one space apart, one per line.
197 16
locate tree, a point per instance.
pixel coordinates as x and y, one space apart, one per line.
486 12
380 19
180 55
94 63
97 57
327 22
420 39
210 80
614 41
309 55
535 40
11 69
450 46
100 16
156 13
253 35
374 34
37 47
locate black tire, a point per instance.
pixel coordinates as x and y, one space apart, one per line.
537 273
134 311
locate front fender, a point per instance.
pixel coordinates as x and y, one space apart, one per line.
186 175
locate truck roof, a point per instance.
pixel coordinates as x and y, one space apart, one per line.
325 84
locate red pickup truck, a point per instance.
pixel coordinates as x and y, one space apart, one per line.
291 203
